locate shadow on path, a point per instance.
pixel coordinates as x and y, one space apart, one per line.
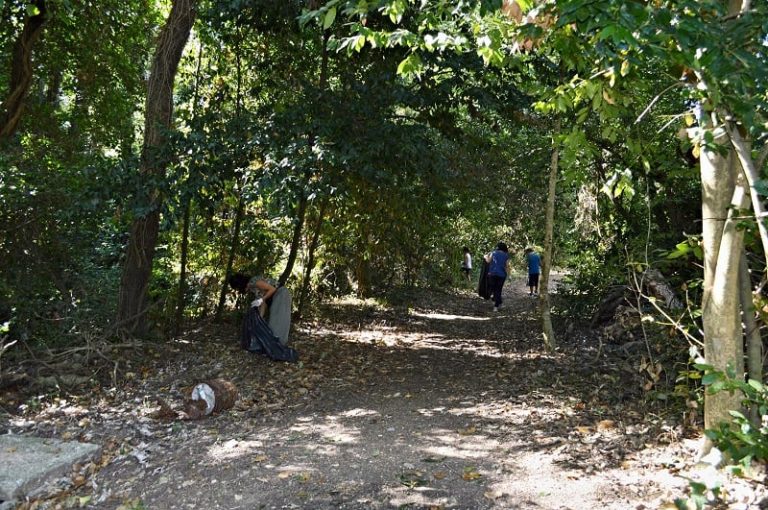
434 402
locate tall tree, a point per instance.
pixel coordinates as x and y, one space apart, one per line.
132 304
713 50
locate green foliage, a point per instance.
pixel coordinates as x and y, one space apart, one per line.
743 440
421 126
700 494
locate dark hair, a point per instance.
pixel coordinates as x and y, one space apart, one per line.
239 281
502 247
466 249
528 250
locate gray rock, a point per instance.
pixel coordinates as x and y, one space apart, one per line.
29 462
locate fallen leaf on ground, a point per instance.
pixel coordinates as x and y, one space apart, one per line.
470 474
413 479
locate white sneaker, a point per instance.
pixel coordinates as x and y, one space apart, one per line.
495 308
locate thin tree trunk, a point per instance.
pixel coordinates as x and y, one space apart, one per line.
12 107
301 209
544 302
752 175
132 301
751 330
181 294
751 327
305 284
230 257
240 203
182 288
362 265
296 240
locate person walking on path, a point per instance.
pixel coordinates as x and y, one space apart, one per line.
498 268
466 264
533 261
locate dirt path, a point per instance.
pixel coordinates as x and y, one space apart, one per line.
434 402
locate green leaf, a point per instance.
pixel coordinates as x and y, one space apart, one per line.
395 10
710 378
606 33
525 5
358 43
329 18
411 65
761 187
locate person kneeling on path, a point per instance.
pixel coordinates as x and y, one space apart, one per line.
498 268
272 302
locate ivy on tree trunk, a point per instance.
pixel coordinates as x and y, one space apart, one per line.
12 107
132 301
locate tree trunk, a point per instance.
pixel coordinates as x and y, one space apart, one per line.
181 295
723 193
544 302
21 71
182 290
132 301
301 212
751 328
311 258
230 257
743 150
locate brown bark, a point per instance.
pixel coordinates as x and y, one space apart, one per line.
12 107
132 303
301 212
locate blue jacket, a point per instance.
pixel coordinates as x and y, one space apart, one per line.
534 263
498 264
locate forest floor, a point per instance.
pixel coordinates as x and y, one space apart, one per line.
432 401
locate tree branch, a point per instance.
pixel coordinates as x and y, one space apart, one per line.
752 175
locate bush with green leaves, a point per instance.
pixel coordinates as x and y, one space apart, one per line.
744 439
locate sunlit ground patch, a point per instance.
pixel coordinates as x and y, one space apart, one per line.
234 449
448 317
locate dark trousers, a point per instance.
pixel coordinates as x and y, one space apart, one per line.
495 284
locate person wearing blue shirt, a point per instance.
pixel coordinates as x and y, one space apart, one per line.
498 268
533 260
